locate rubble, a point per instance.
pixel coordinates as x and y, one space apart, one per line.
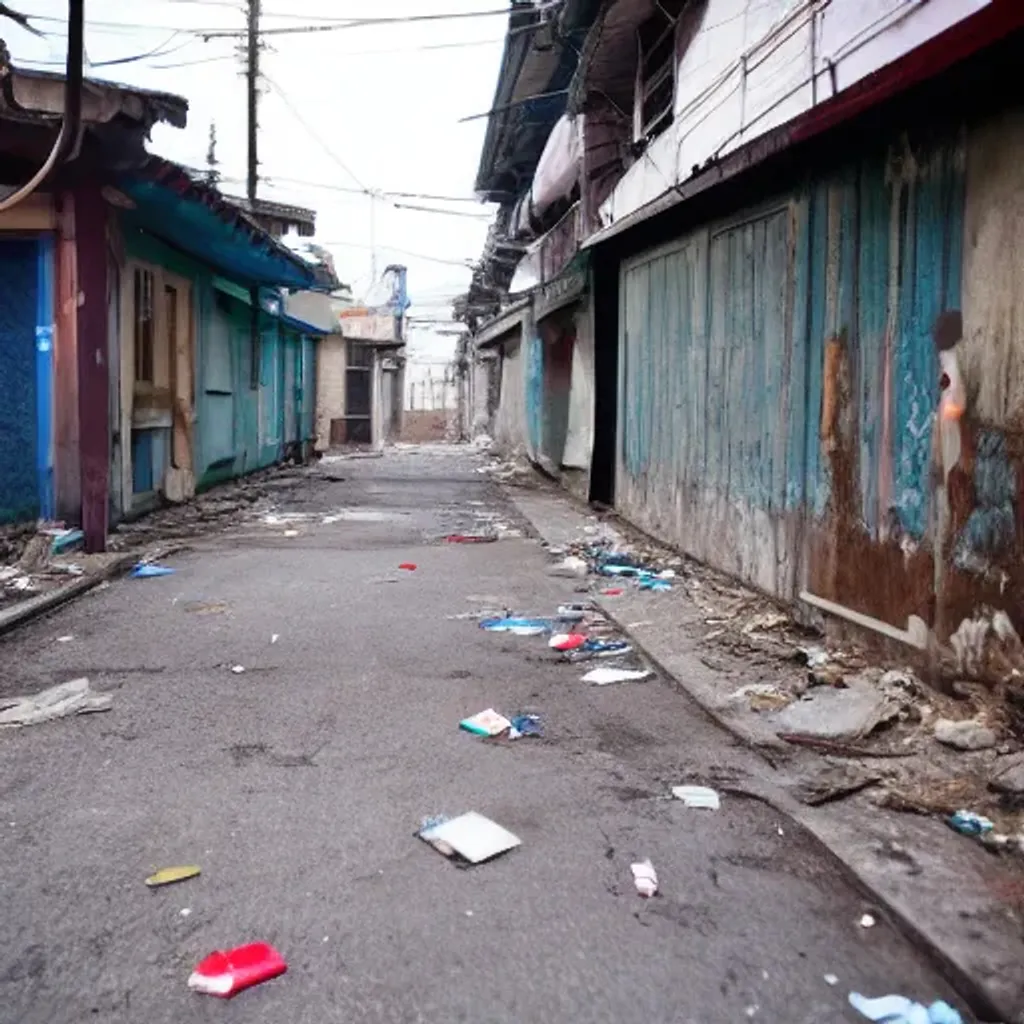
839 714
964 735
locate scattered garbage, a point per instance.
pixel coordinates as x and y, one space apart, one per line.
645 878
967 823
291 533
150 570
573 612
470 837
867 921
486 723
571 567
612 592
656 585
274 638
526 726
901 1010
408 566
602 649
567 641
61 701
65 639
227 973
238 669
697 797
812 657
608 676
64 540
464 538
831 979
520 627
171 876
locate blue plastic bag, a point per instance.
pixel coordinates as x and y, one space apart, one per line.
144 572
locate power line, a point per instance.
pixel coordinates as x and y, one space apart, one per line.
465 264
434 209
354 23
314 135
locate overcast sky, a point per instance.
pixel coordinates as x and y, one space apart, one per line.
385 100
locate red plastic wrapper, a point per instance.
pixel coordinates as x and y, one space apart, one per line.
226 973
408 566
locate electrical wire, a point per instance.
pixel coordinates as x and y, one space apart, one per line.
465 264
314 134
355 23
157 51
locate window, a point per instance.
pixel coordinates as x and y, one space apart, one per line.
144 326
656 70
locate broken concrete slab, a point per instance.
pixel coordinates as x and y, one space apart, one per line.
969 734
852 712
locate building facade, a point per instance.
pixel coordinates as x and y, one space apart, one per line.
798 223
145 346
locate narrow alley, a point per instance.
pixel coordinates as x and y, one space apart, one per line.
298 784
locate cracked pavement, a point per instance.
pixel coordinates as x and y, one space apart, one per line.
297 786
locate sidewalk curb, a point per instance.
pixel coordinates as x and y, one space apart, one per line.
26 611
988 999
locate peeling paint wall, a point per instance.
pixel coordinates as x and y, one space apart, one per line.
782 374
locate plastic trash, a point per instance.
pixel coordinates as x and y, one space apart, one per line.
619 570
526 725
65 540
867 921
486 723
466 538
145 571
612 592
607 676
408 566
470 837
521 627
567 641
645 878
657 585
606 648
171 876
901 1010
227 973
238 669
573 612
697 796
968 823
61 701
571 566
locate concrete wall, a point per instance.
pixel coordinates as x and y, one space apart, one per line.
330 387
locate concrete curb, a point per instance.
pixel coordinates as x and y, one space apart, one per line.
26 611
943 932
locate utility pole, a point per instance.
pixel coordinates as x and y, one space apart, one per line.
252 79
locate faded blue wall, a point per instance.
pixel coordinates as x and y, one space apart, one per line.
723 340
21 455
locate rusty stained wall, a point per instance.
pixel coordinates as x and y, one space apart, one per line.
779 380
710 430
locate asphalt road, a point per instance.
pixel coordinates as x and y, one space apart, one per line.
298 785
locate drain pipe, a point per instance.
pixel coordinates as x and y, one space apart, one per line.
72 119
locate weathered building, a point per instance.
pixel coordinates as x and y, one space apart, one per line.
800 223
134 366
